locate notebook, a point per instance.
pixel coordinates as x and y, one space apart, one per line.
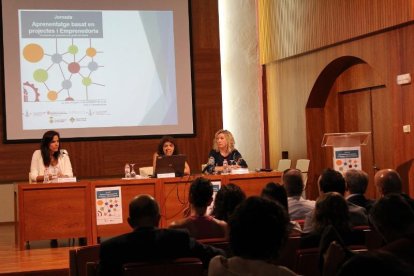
170 164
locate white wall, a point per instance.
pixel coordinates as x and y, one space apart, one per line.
240 77
7 202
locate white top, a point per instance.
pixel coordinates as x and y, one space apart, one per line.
38 168
299 207
221 266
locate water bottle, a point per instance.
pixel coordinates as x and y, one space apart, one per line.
46 176
127 171
225 166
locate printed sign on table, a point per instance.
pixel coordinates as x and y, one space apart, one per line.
108 205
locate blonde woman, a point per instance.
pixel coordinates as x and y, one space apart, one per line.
223 149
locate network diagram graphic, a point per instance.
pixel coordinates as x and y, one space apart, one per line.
67 66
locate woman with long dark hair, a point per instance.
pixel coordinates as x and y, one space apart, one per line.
168 146
51 157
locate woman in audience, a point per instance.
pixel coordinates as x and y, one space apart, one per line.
199 224
168 146
51 157
227 199
223 149
331 212
276 192
258 230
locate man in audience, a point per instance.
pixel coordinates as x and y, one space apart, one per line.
388 181
356 184
147 242
298 206
199 224
333 181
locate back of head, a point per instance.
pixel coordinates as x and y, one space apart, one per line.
293 182
375 263
258 229
226 201
331 209
388 181
392 216
201 192
276 192
356 181
331 181
143 211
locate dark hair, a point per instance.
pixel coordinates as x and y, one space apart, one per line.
332 181
258 229
227 199
392 214
143 207
165 139
293 182
276 192
356 181
44 146
331 209
201 192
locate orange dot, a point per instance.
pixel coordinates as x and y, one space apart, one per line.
33 52
99 202
52 95
338 162
91 52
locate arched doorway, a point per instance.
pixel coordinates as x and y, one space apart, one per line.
349 96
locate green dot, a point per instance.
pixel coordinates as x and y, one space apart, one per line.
40 75
86 81
73 49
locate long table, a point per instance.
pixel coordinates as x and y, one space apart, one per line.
68 210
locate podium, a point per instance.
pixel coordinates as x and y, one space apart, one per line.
346 149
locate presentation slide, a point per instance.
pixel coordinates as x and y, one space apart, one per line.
92 73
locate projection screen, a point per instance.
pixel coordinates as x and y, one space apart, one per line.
97 68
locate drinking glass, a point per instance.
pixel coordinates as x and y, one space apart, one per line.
127 171
133 173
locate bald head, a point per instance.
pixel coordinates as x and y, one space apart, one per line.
293 182
143 212
388 181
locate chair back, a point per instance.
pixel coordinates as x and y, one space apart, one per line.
307 262
284 164
287 255
221 243
79 257
177 267
146 171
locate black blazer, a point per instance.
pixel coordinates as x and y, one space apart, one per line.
361 200
151 244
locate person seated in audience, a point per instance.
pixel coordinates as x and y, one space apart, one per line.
52 157
168 146
227 199
298 206
147 242
198 224
388 181
356 184
331 211
223 149
276 192
333 181
393 217
258 230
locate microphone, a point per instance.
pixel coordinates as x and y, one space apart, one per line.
210 165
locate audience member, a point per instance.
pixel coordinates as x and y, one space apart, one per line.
258 230
168 146
333 181
199 224
356 184
276 192
147 242
388 181
393 218
298 206
227 199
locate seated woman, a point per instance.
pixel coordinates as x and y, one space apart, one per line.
276 192
227 199
50 157
331 213
223 149
168 146
258 230
199 224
